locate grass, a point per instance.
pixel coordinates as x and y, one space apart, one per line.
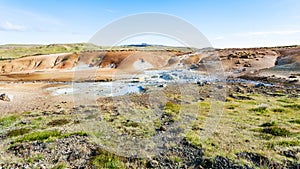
172 107
260 109
39 135
8 121
18 132
108 161
278 110
58 122
16 51
241 130
48 135
175 159
277 131
284 143
269 124
194 139
172 110
297 121
60 166
293 106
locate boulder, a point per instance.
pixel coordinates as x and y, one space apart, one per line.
4 97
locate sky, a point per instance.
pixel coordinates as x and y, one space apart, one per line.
226 23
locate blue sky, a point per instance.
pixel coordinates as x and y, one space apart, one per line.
226 23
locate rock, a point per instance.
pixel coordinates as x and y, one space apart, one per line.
237 62
162 85
4 97
257 159
167 76
290 153
142 89
220 87
292 76
163 128
153 163
293 81
202 83
259 85
247 65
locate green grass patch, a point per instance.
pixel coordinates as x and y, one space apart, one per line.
108 161
284 143
293 106
175 159
79 133
278 110
8 121
232 106
58 122
18 132
276 131
285 100
172 107
269 124
40 135
296 121
60 166
261 109
194 139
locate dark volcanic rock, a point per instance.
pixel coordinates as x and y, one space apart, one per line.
4 97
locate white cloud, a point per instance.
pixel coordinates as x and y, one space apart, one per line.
110 11
267 33
8 26
219 38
